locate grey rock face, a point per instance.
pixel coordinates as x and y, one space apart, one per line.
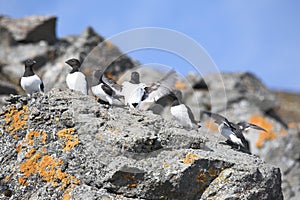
65 144
31 29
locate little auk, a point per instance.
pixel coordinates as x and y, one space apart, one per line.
104 91
76 80
133 90
182 113
231 131
30 82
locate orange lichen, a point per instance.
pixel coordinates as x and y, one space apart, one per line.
66 195
211 125
131 181
48 169
263 136
179 85
29 166
29 153
22 181
16 137
15 119
283 132
212 172
44 149
19 148
71 141
190 158
30 135
44 137
292 125
201 178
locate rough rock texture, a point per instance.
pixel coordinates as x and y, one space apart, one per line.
65 144
31 29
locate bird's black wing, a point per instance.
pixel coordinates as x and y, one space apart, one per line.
111 83
245 125
107 89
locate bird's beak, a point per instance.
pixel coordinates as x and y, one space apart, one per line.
34 62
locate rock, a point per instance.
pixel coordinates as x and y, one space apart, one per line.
31 29
7 39
7 88
119 153
286 155
238 86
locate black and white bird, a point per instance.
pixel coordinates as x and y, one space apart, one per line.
30 82
106 89
133 90
154 93
231 131
76 80
182 113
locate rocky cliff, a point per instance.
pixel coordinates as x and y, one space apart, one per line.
65 145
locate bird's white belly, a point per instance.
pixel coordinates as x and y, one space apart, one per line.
76 81
180 113
31 84
133 93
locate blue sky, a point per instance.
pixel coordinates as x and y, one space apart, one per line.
262 37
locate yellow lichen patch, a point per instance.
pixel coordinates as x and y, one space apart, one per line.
165 165
6 179
29 166
22 181
67 135
263 136
30 135
211 125
212 172
29 153
190 158
15 119
16 137
201 178
113 131
179 85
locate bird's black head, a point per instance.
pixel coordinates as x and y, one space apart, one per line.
135 78
74 63
29 63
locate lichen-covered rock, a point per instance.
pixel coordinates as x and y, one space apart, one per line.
63 144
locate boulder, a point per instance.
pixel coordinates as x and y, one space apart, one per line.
63 144
31 29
